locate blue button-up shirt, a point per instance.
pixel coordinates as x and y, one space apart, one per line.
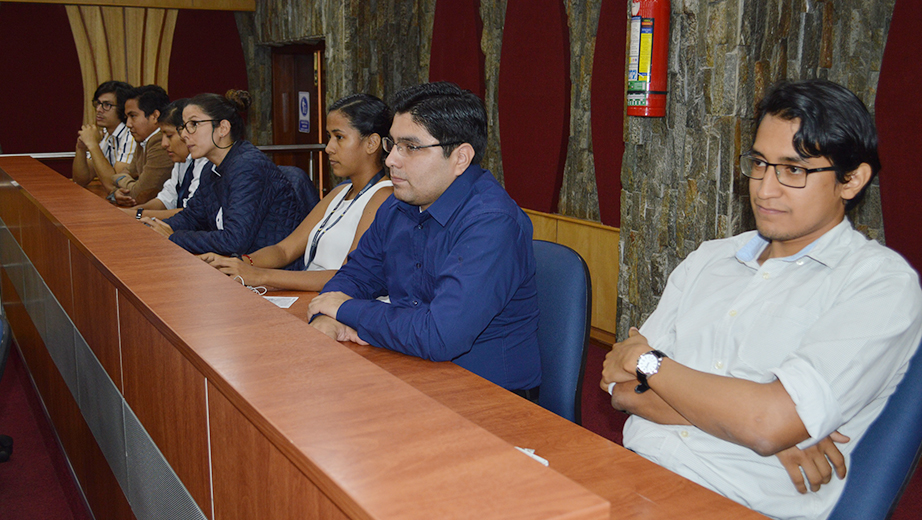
461 282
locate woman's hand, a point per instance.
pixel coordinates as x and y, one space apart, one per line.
233 267
158 225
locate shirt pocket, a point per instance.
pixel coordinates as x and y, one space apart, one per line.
777 331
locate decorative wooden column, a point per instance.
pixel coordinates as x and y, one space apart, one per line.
131 44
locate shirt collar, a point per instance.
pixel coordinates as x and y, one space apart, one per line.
144 143
117 134
828 250
451 199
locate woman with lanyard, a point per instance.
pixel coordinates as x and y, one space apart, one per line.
355 125
184 181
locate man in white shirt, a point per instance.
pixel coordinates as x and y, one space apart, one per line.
770 353
106 146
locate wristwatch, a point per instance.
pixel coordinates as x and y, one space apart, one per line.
138 213
647 365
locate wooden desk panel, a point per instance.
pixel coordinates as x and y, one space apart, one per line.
95 307
634 486
168 395
372 444
96 479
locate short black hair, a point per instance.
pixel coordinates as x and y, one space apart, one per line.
834 124
449 113
172 113
150 98
120 89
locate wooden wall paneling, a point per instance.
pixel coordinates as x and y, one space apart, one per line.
162 73
87 62
216 5
153 30
545 227
598 246
167 394
96 29
117 57
135 25
252 479
95 314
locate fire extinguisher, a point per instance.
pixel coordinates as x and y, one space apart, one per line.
649 52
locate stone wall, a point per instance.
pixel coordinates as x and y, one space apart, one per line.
680 182
372 46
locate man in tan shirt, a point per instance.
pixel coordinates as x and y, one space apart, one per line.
151 166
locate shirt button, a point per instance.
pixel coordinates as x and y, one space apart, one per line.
415 302
766 276
719 365
419 226
732 313
800 262
418 265
684 433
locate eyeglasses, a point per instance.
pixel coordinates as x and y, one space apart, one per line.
407 150
787 174
191 126
106 106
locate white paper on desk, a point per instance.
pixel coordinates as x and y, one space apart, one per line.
282 301
531 453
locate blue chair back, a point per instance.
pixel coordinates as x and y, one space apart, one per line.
565 304
303 186
884 460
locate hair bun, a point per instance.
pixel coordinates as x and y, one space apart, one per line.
240 98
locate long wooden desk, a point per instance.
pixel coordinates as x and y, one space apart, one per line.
177 392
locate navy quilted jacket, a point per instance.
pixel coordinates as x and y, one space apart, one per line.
256 203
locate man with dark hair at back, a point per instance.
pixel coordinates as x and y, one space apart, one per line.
450 248
107 145
151 167
770 353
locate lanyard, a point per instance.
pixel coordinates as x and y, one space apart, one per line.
323 225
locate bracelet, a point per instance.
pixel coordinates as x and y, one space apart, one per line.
119 179
248 258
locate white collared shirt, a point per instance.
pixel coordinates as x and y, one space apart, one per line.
836 323
169 195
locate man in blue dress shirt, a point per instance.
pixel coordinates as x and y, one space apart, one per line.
451 250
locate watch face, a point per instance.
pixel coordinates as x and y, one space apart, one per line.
648 363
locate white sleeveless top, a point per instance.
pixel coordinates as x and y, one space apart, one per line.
336 241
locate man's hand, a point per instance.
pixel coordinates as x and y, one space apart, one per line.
621 363
336 330
158 225
81 146
328 303
89 135
817 462
122 198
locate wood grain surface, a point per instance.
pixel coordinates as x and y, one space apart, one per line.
372 444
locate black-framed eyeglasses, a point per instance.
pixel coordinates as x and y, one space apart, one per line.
788 174
106 106
407 150
191 126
